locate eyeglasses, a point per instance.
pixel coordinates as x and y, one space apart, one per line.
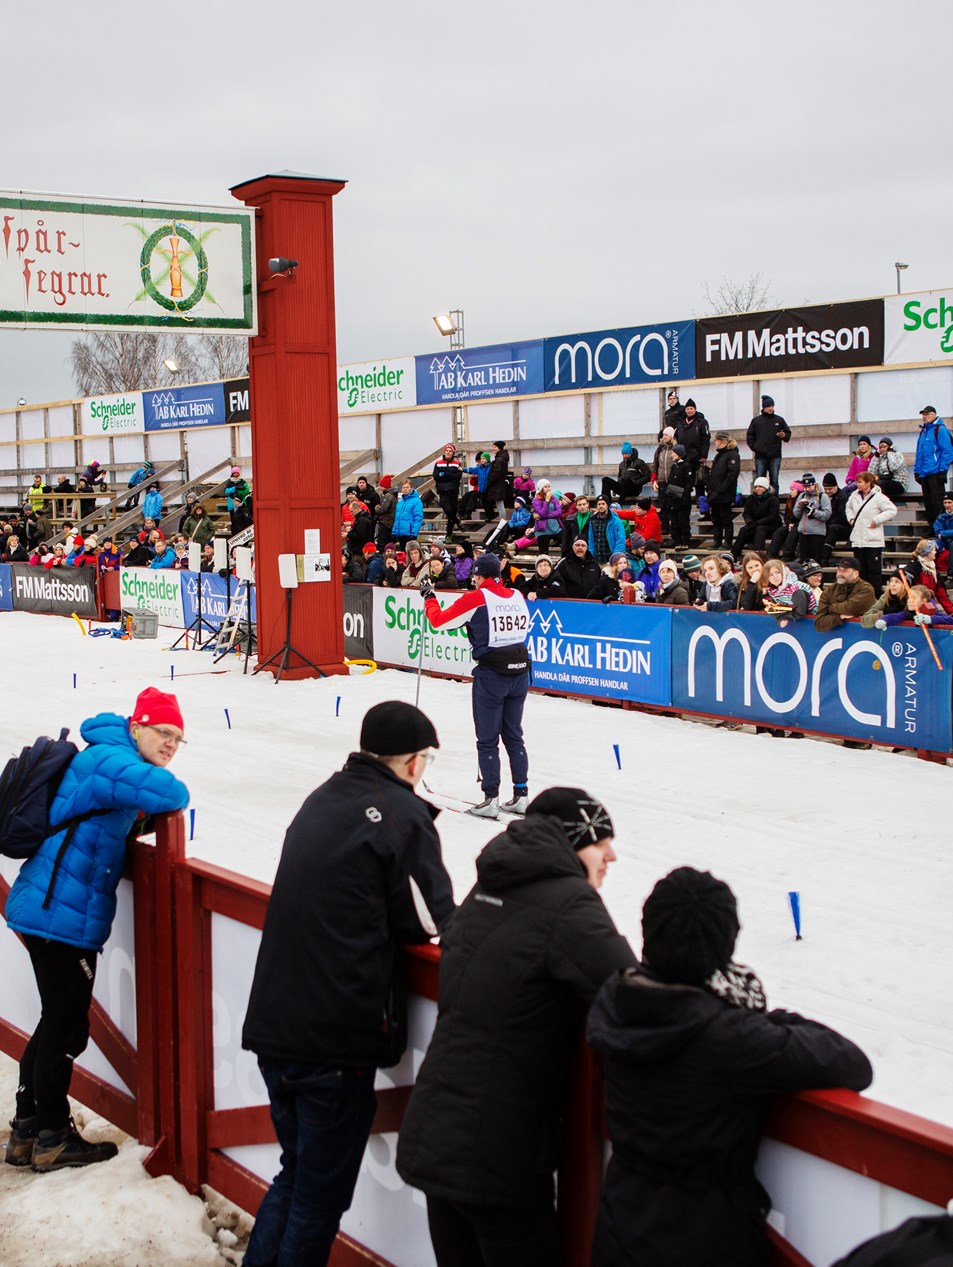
429 757
166 735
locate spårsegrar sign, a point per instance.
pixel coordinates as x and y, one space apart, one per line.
88 264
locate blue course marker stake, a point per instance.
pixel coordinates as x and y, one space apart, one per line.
191 824
74 681
618 755
228 719
795 900
337 707
171 672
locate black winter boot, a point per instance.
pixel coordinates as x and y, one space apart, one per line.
53 1150
20 1144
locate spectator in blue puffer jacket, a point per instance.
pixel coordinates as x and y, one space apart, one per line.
409 515
152 503
165 556
64 913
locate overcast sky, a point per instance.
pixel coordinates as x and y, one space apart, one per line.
549 167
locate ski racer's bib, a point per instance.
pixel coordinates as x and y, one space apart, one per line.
508 618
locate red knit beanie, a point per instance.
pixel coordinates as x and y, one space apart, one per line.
386 481
156 708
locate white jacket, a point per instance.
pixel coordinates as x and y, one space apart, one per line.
877 510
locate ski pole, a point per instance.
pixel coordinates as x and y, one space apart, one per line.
906 586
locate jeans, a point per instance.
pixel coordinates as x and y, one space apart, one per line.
322 1118
498 701
770 467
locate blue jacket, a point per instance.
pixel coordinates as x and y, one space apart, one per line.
141 475
164 560
943 529
109 774
520 518
934 449
409 515
482 472
374 572
152 505
615 535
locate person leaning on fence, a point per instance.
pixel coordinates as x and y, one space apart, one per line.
692 1057
848 596
64 914
521 961
360 874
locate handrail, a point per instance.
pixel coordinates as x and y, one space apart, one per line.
355 463
121 520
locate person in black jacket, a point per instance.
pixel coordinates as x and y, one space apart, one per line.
674 413
632 476
678 498
579 570
693 434
545 581
360 873
766 433
761 518
521 961
691 1056
447 473
496 484
838 529
722 486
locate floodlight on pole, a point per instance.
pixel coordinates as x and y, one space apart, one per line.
899 267
171 365
21 402
451 323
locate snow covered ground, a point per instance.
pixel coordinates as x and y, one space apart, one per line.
861 835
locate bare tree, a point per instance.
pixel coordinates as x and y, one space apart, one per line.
731 297
115 361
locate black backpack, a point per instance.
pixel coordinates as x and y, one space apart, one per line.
28 787
919 1242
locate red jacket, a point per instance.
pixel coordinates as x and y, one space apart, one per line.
648 525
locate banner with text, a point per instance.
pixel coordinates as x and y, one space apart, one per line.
613 358
617 652
216 598
918 328
86 264
372 387
512 369
58 592
842 683
179 408
791 340
6 591
359 622
237 403
113 415
159 592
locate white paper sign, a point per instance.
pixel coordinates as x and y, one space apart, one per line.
312 540
316 567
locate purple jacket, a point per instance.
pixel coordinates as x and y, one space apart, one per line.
550 513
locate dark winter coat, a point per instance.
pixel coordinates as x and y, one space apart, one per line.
522 959
606 589
392 576
361 532
674 416
694 434
578 575
839 506
550 587
688 1082
751 598
837 601
762 438
633 469
678 477
496 484
762 509
723 475
447 475
109 774
360 874
370 497
675 595
387 508
574 525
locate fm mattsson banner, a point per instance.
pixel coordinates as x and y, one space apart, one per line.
57 591
791 340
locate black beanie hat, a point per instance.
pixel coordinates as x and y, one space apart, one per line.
830 479
585 820
393 728
689 926
488 565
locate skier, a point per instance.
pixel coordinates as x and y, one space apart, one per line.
497 621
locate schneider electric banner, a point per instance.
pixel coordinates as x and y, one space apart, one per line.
848 682
613 358
579 648
513 369
791 340
86 264
113 415
178 408
58 592
918 328
373 387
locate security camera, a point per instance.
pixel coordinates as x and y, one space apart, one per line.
280 265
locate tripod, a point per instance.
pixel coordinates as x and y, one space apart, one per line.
284 653
197 624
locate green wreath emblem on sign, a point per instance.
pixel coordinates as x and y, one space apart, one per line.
174 229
